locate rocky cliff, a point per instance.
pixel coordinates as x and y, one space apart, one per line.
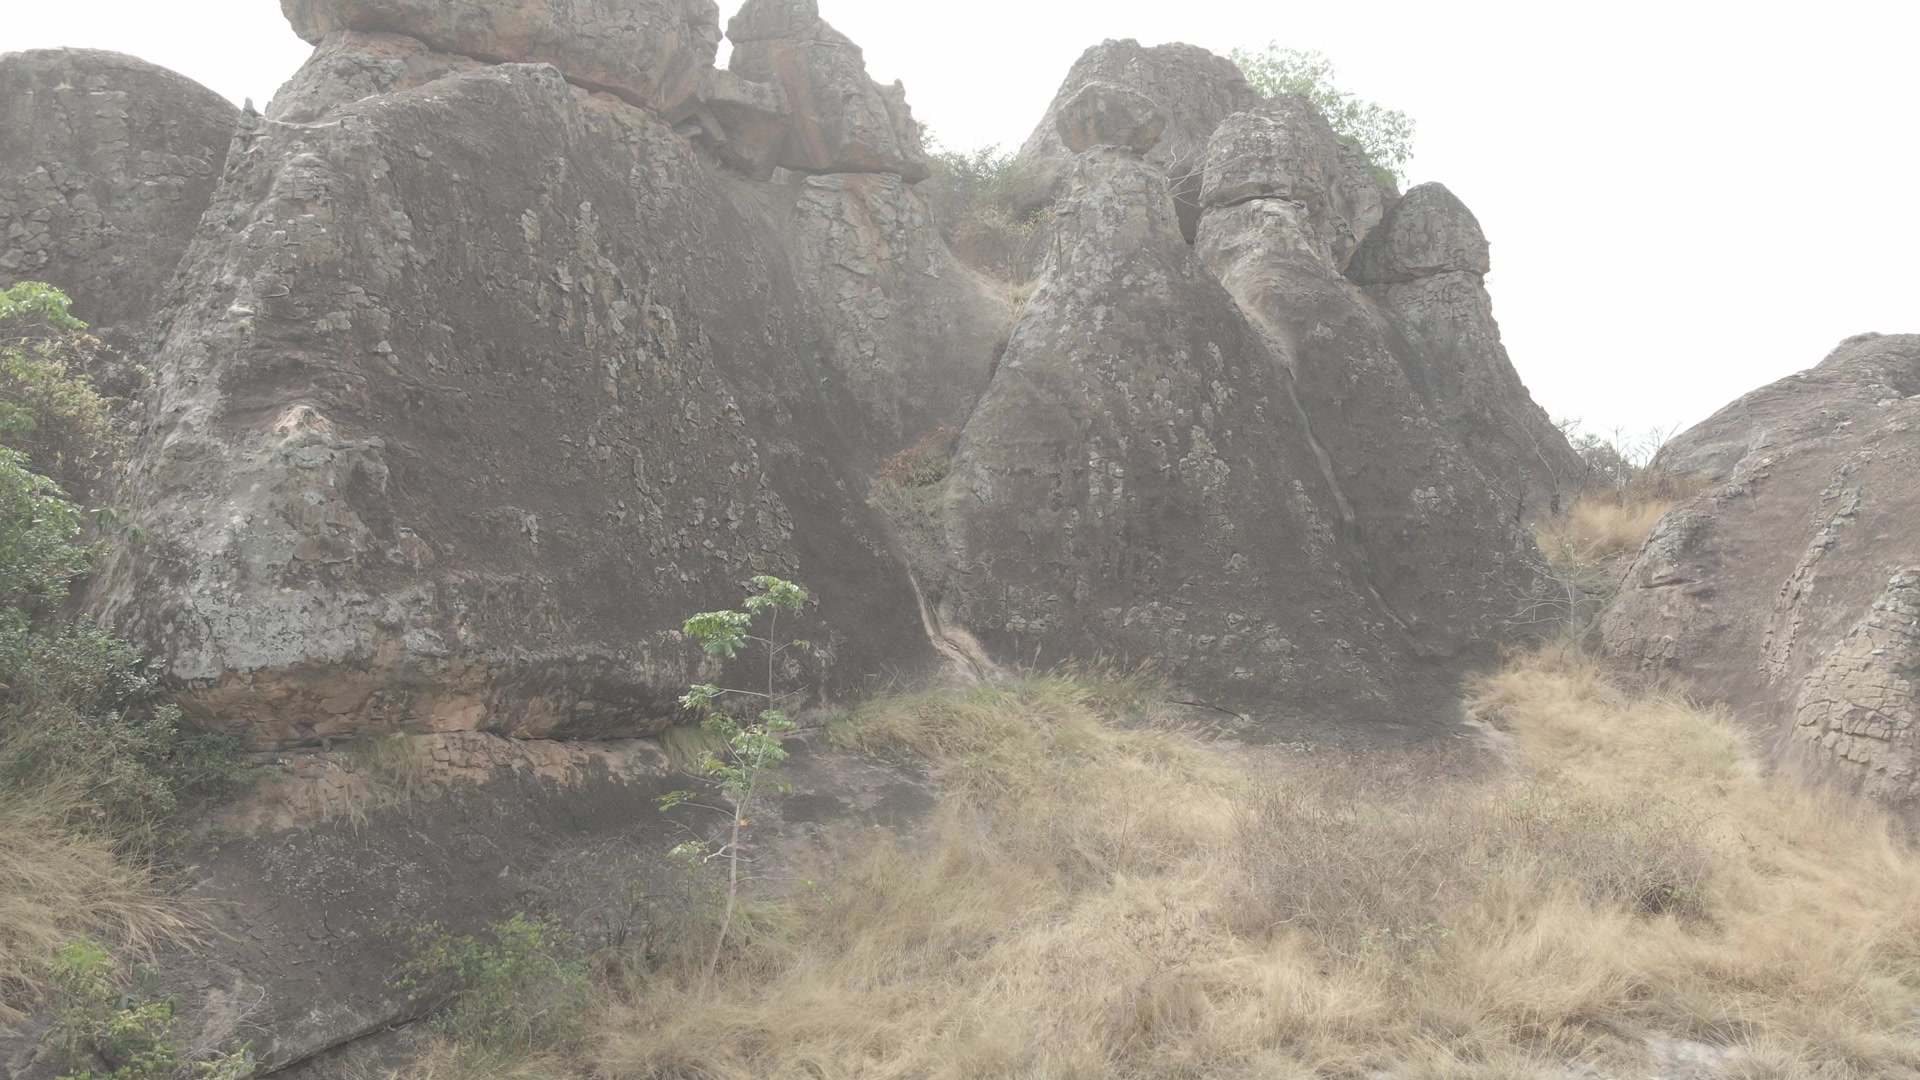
501 342
1790 586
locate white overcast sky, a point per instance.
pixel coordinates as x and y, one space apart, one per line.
1686 199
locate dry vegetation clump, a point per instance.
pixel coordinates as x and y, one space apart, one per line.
57 883
1103 896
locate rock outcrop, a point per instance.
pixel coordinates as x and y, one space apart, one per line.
1790 587
1134 484
842 121
508 340
1192 87
106 164
1426 267
652 53
1282 213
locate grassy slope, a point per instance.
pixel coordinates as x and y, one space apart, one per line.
1107 898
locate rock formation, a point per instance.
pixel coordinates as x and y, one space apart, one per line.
1790 587
507 340
843 121
1425 266
1192 87
106 163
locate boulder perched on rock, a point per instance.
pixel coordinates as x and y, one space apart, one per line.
653 53
1790 587
842 121
1426 266
1103 114
349 66
1192 87
106 164
1441 553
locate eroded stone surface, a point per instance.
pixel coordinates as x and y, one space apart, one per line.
106 164
466 464
1193 87
654 53
1425 266
1106 114
842 121
1134 484
1786 587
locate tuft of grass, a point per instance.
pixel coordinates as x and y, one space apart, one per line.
1103 897
1598 527
58 883
393 763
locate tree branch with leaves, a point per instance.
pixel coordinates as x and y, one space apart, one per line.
749 750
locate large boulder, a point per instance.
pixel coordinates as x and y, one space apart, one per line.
842 121
1193 88
1440 549
106 164
1426 266
653 53
1134 483
1790 587
476 391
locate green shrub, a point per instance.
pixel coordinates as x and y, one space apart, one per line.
1385 135
110 1030
521 987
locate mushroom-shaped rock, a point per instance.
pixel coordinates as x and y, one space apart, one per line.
1107 114
653 53
842 121
1429 231
1285 150
106 164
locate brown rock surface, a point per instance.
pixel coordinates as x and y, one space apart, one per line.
1788 587
842 121
1103 114
653 53
106 164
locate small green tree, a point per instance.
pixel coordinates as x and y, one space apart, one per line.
738 772
1385 135
109 1030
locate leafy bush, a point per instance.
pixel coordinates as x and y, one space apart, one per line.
112 1031
49 407
520 988
1385 135
972 194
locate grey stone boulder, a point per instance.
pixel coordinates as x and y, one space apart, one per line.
1193 87
475 391
842 121
1425 266
1439 549
653 53
1285 150
1104 114
1790 587
349 66
106 164
1134 484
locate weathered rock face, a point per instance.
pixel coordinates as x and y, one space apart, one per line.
653 53
914 333
1134 482
1440 553
1426 267
842 120
349 66
1790 588
1192 87
465 465
1103 114
106 164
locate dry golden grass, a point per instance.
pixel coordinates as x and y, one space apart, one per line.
56 884
1102 897
1598 527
